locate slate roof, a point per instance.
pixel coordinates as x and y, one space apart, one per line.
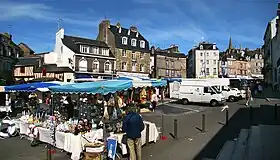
124 33
28 61
52 68
175 55
206 46
25 45
74 42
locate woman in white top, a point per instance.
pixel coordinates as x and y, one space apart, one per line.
154 100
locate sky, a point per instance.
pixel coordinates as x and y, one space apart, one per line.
162 22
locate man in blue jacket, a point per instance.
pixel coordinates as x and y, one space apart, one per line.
133 125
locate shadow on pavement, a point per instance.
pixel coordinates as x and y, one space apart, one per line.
240 120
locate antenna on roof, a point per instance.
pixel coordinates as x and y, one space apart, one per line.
59 23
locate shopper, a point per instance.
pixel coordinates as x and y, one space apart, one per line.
133 125
70 107
154 100
248 96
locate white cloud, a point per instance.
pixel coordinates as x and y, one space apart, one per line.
41 12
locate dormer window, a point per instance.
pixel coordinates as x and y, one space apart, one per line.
201 47
256 56
124 40
133 42
142 44
214 46
84 49
260 56
128 33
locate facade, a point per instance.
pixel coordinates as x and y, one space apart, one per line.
168 63
25 67
203 61
129 47
9 52
270 33
256 62
88 58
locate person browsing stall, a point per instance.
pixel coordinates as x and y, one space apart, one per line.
133 125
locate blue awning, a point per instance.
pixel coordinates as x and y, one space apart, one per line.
29 87
173 79
101 87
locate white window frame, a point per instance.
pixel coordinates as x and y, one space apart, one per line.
124 40
110 66
84 49
82 69
133 42
142 68
124 68
103 51
201 47
95 62
133 56
95 50
142 44
134 66
124 53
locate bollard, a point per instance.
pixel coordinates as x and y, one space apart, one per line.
49 152
175 128
275 112
203 123
226 116
147 134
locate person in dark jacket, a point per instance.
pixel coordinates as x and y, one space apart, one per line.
133 125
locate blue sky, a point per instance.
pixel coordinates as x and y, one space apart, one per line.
162 22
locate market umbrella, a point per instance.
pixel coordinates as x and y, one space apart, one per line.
102 87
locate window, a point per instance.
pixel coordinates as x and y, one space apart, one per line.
95 65
201 61
260 56
167 64
124 40
256 56
256 64
142 68
22 69
141 55
257 70
142 44
84 49
123 53
133 42
133 55
201 47
214 46
172 64
104 51
214 61
207 71
61 49
107 66
207 54
124 66
9 52
201 54
95 50
134 66
172 73
207 61
207 90
83 65
214 71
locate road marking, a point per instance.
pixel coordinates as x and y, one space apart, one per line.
194 110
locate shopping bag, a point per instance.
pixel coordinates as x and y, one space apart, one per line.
252 99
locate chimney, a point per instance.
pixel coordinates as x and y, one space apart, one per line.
103 30
133 28
118 25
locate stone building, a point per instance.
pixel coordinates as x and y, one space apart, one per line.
169 63
129 47
9 52
256 62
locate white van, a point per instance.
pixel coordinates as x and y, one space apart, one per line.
197 92
222 84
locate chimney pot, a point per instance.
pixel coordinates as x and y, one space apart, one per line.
133 28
